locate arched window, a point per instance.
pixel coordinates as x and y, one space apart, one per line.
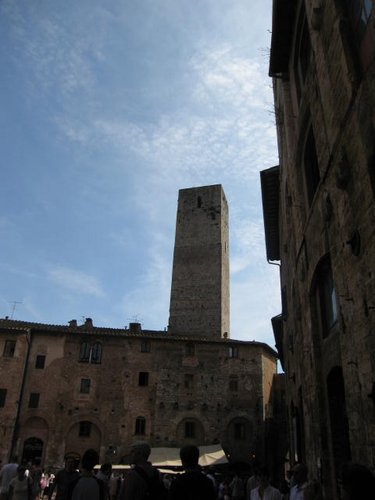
90 353
325 296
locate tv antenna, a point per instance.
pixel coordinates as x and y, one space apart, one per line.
14 302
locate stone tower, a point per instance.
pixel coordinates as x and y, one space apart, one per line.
200 281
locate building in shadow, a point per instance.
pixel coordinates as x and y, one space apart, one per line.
319 216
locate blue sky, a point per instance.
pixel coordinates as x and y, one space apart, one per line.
108 108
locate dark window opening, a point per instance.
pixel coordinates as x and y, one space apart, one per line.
140 426
90 354
190 349
310 165
233 352
34 400
96 353
233 383
145 346
189 381
85 385
3 396
84 428
40 361
326 297
239 431
143 379
190 429
9 348
199 202
84 352
338 418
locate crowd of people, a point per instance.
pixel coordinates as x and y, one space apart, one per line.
142 481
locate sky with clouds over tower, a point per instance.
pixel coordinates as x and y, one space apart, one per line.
108 109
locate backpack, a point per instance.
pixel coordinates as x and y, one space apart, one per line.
155 486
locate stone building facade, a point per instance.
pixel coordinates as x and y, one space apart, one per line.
319 214
65 389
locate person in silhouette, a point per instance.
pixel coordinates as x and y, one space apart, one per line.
193 483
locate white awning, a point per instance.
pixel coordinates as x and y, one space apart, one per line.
208 455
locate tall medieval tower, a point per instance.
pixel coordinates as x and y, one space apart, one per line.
200 281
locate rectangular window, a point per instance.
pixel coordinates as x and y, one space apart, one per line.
189 381
40 361
143 379
190 429
34 400
3 396
145 346
140 426
233 383
190 349
233 352
84 429
9 348
85 385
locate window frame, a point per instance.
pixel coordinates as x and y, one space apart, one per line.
9 348
143 379
85 386
3 397
40 361
34 400
140 426
85 427
145 345
190 430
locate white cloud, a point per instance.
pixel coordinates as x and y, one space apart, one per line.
75 281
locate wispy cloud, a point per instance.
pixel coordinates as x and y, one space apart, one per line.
75 281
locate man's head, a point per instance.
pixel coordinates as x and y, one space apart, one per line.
139 452
189 456
299 473
70 464
264 477
89 460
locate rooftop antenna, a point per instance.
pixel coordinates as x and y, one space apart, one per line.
14 302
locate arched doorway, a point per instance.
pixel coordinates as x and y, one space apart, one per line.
32 450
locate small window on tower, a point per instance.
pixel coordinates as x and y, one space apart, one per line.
199 202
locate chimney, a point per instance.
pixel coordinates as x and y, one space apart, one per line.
73 323
135 327
88 323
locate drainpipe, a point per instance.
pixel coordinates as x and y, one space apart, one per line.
19 404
